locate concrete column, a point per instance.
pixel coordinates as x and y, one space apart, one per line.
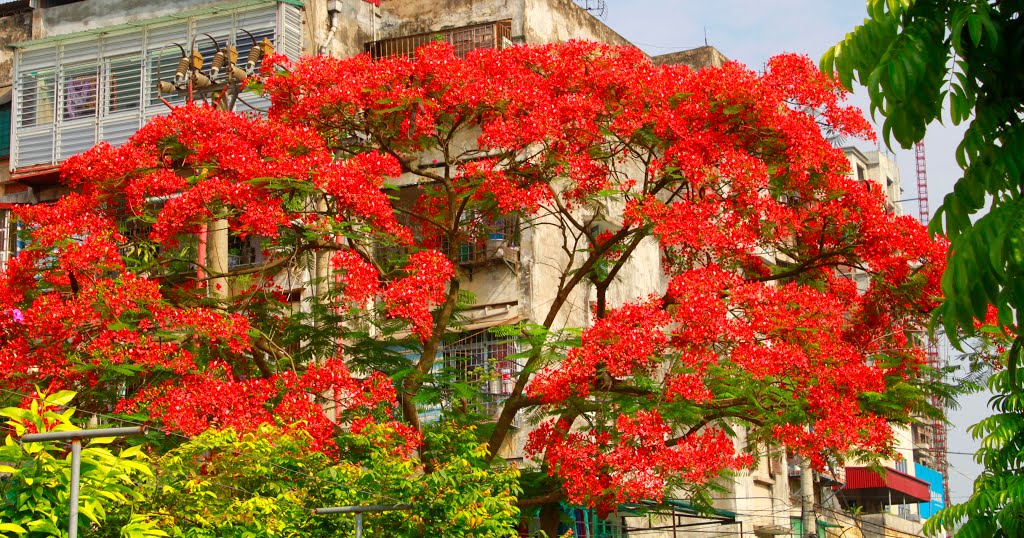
807 498
323 259
217 258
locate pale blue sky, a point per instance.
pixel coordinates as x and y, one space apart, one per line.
751 32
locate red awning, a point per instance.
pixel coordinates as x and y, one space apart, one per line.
894 487
37 176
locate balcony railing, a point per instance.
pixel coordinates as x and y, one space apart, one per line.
494 35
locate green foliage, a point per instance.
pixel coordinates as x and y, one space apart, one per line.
914 56
36 490
267 483
996 508
463 496
220 484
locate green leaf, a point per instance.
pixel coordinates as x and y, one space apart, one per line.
974 27
61 398
13 527
897 79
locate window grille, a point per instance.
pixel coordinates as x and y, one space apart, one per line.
79 89
245 252
125 84
495 35
495 240
484 359
73 93
485 240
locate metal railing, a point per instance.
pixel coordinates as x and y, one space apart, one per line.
493 35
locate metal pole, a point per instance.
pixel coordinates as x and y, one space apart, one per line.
76 472
359 511
76 436
82 434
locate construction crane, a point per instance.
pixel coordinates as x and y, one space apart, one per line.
934 359
922 183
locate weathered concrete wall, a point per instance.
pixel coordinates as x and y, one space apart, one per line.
410 17
886 525
553 21
697 58
93 14
13 28
533 21
492 284
355 20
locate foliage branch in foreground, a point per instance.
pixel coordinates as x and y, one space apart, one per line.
918 59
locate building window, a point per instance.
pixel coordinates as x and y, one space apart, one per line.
860 173
244 252
9 244
36 98
85 88
124 87
80 88
5 130
491 240
485 359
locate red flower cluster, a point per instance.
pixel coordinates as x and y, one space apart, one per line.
633 462
411 297
758 224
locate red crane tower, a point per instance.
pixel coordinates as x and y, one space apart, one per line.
922 184
934 360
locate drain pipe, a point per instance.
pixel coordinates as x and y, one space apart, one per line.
333 8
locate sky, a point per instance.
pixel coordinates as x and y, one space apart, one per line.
751 32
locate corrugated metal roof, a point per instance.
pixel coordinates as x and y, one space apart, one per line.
864 478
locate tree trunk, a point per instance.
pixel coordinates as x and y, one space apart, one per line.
550 515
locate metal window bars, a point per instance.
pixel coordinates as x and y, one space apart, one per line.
483 359
487 241
493 35
245 252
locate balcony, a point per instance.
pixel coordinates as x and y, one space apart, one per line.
885 524
864 487
494 35
74 90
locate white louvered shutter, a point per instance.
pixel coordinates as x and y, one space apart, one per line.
34 105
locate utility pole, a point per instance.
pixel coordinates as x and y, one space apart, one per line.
76 437
810 525
359 511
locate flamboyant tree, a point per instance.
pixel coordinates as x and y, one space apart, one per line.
364 183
